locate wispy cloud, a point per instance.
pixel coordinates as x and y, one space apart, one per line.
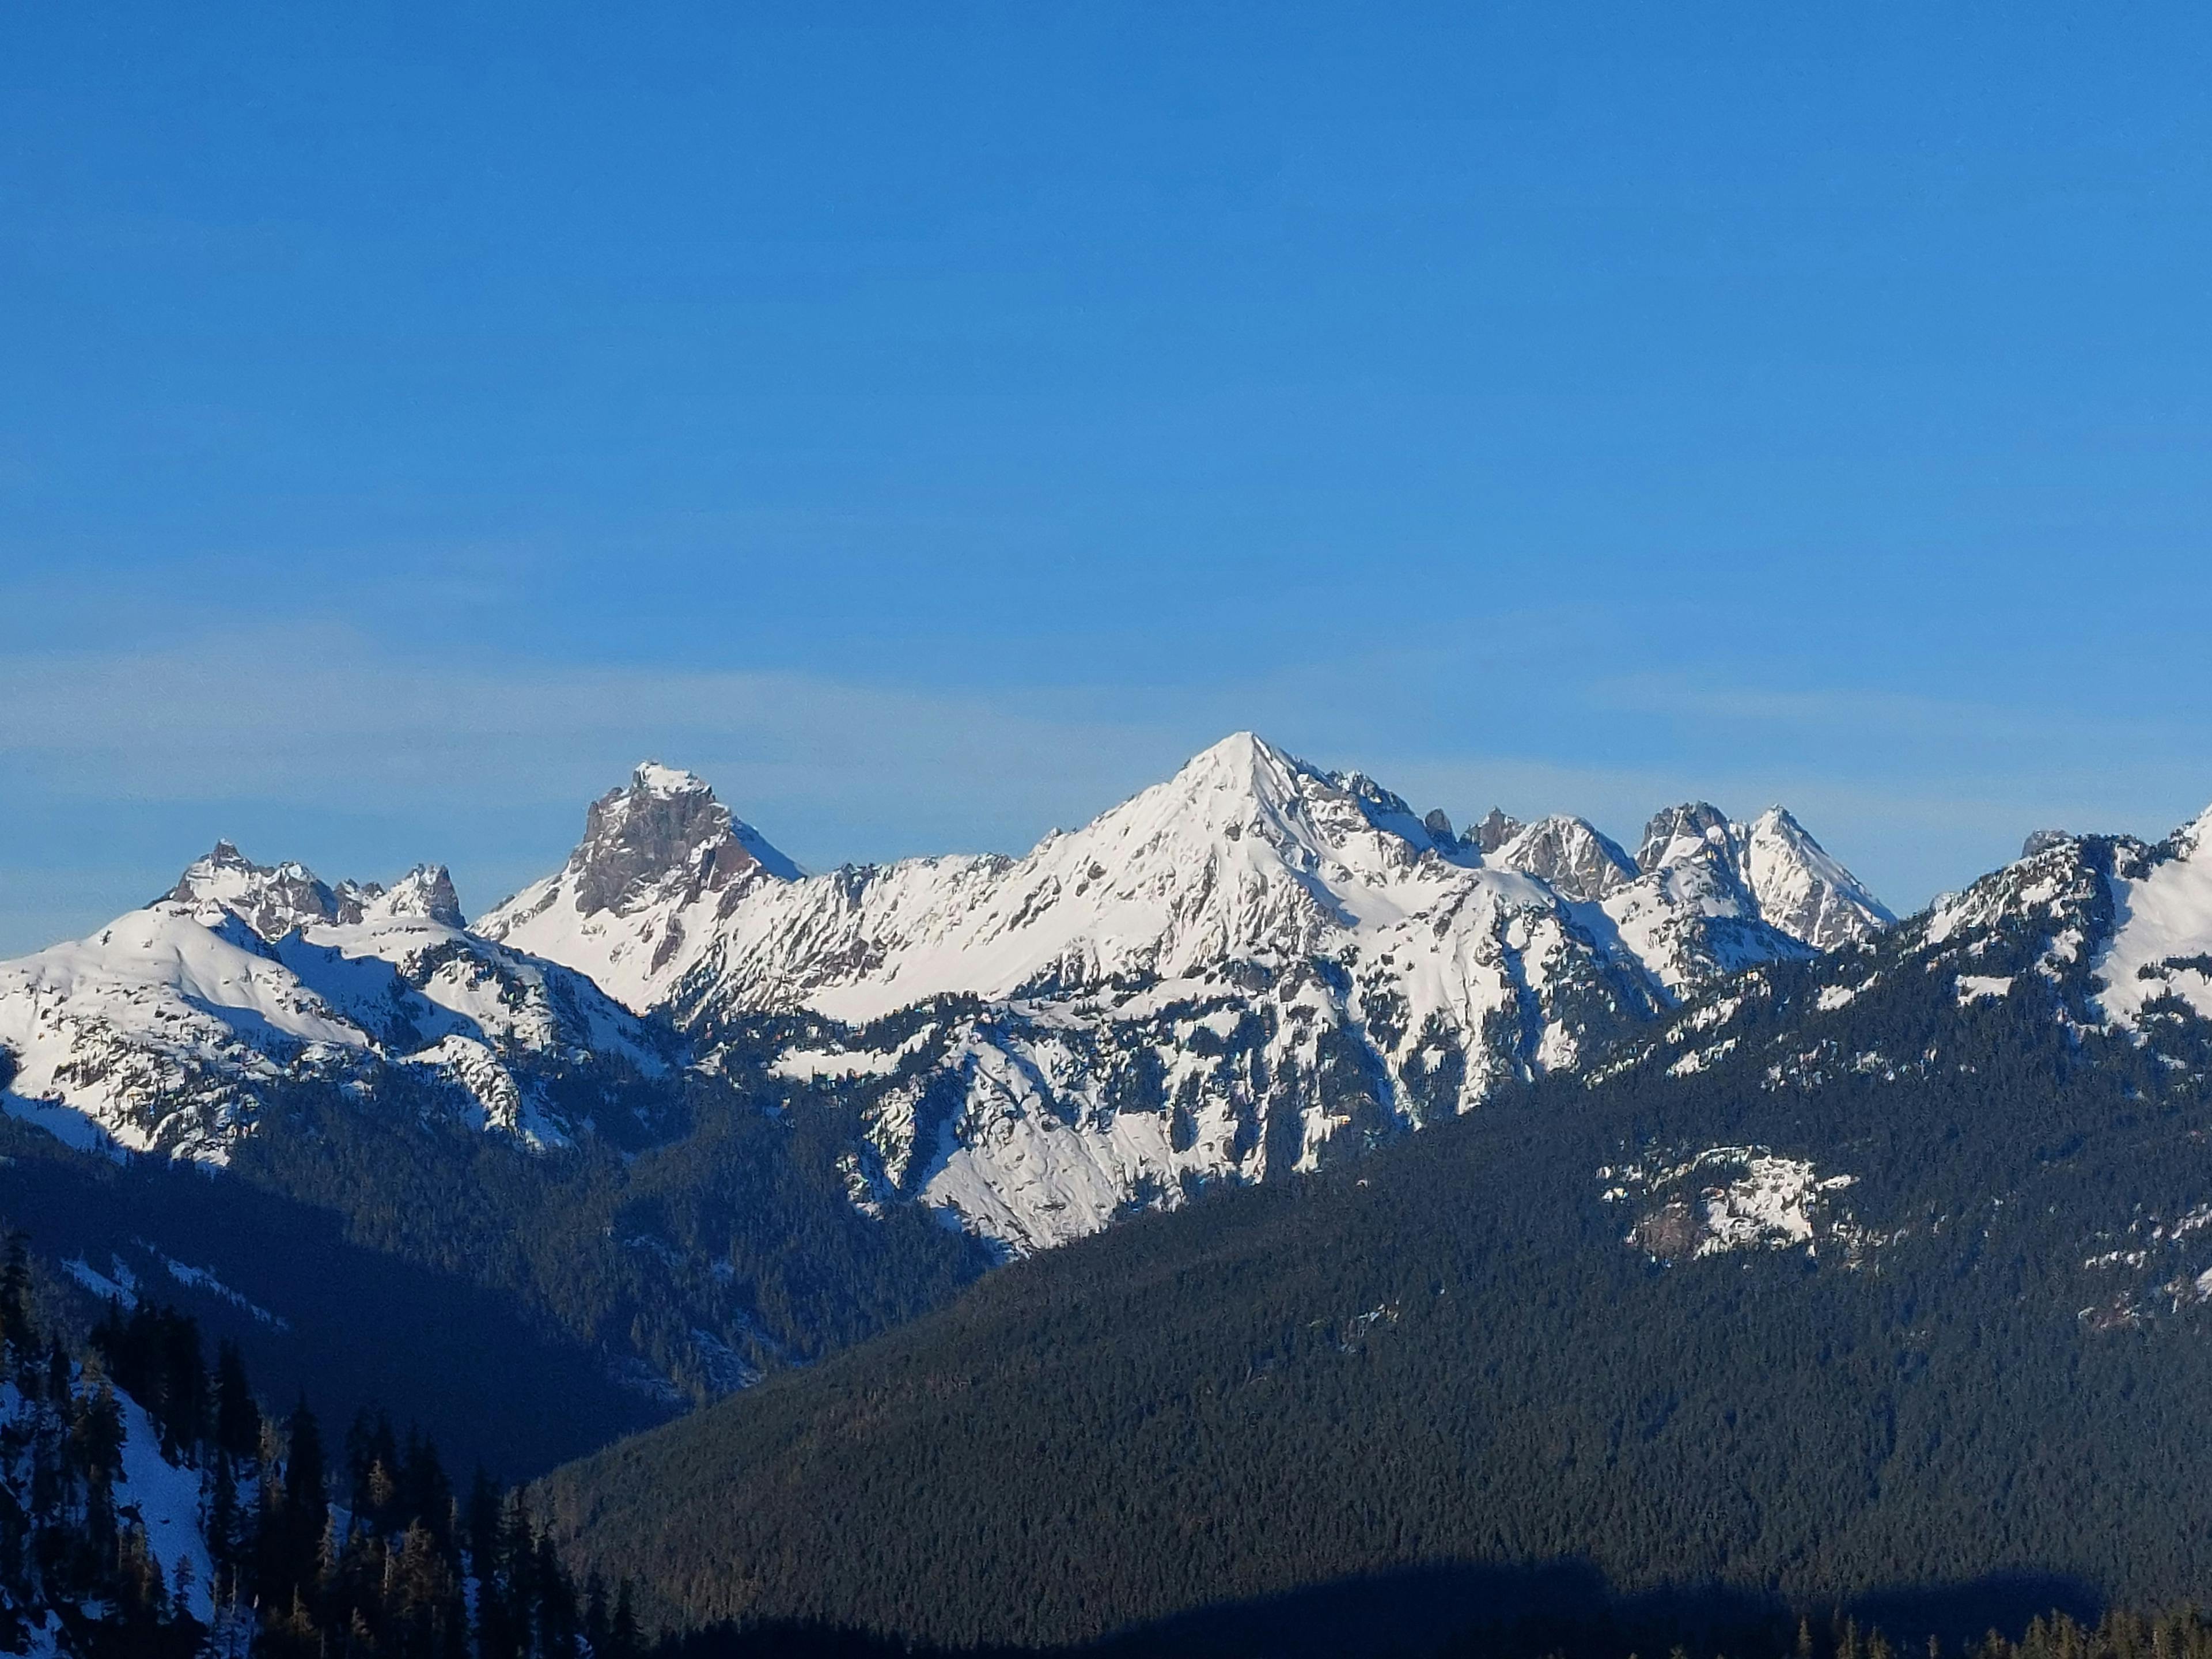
320 716
283 734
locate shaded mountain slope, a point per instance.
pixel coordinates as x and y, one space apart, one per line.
1789 1319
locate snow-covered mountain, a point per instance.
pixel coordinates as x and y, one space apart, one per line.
662 864
1252 966
2108 936
273 900
169 1027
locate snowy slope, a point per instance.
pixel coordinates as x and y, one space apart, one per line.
2108 939
2161 942
166 1030
662 864
1353 969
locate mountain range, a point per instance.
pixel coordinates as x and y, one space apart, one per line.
1879 1280
1733 1183
1252 966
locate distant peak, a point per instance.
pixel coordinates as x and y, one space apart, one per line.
1493 829
426 890
271 899
664 828
1698 821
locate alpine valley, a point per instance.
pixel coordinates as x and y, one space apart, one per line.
1065 1215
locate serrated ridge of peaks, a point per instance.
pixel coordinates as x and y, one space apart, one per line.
1571 855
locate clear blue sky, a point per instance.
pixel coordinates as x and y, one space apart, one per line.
932 423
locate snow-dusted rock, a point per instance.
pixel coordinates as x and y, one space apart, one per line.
1571 855
167 1029
1255 965
661 864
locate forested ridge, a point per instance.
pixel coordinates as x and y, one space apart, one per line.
1450 1355
571 1295
2184 1633
150 1505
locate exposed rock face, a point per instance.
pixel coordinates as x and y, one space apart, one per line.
1492 830
270 899
665 827
275 899
1694 820
1572 856
661 864
426 890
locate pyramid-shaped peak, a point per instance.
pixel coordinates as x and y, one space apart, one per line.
1780 819
1228 781
1238 759
1801 887
426 890
1245 786
665 826
1696 822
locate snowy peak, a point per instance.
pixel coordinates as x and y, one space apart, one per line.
1494 830
1770 869
1679 833
1569 854
164 1031
1243 782
425 891
663 831
662 866
1246 805
1802 891
271 899
274 900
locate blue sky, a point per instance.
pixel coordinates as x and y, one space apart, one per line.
932 424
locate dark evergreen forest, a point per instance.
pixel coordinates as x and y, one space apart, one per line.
311 1550
1449 1360
568 1297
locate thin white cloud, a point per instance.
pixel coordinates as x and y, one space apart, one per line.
488 763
